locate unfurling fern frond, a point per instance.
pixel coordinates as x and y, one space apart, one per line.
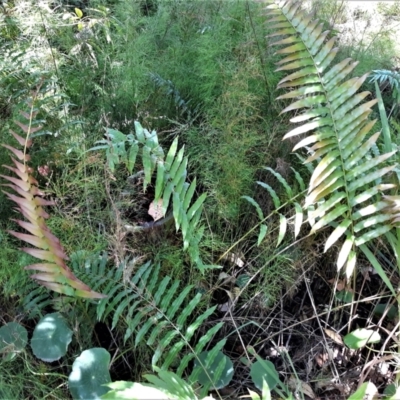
291 201
54 272
345 189
157 311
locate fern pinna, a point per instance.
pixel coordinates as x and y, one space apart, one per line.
345 189
156 310
54 272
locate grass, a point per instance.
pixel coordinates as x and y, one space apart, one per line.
215 89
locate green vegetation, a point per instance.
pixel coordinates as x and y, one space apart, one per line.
174 245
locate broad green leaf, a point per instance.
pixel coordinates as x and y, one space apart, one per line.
121 390
51 338
366 391
89 374
391 392
361 337
263 370
13 340
282 229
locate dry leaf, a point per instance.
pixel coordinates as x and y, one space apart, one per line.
341 284
334 336
234 258
155 210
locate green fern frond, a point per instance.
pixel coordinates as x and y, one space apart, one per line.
156 310
171 186
293 200
385 75
344 189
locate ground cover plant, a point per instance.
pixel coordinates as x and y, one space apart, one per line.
187 252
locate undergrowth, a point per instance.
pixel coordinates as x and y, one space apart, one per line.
200 71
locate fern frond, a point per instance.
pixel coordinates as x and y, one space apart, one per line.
171 185
335 121
385 75
293 200
157 311
54 272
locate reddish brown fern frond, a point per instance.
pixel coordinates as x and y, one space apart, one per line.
54 273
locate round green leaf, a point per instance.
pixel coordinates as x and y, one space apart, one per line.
51 338
211 368
89 374
264 371
380 309
360 337
13 339
391 392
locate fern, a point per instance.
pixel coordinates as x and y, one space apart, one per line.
384 75
172 91
292 200
344 189
171 184
156 310
54 273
